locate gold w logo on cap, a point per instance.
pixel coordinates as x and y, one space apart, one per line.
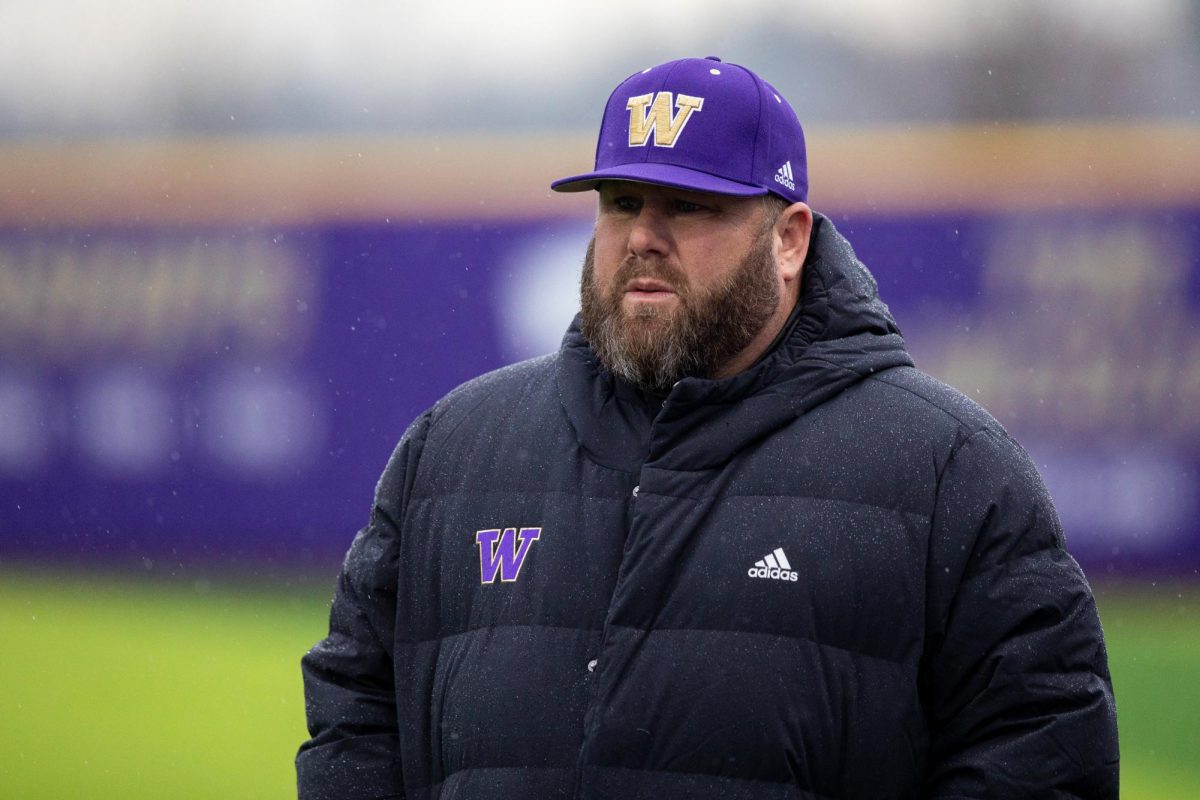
651 114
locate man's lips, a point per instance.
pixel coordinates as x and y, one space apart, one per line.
648 287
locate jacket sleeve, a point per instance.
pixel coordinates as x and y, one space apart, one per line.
349 691
1015 677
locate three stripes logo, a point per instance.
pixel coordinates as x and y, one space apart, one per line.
774 565
784 176
500 554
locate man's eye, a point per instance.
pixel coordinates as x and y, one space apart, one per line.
686 207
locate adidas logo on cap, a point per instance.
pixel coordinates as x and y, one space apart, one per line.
784 176
774 565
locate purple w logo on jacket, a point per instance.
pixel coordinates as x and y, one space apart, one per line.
498 552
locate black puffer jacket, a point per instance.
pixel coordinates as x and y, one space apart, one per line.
829 576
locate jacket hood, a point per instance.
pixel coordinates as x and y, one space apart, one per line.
840 333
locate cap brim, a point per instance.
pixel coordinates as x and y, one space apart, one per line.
658 174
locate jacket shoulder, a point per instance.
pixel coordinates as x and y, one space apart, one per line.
928 401
501 391
970 436
496 430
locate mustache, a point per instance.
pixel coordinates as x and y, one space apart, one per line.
658 269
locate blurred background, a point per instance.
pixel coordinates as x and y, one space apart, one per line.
242 245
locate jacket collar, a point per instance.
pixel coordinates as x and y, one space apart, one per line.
839 333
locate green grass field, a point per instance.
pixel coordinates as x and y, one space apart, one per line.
115 687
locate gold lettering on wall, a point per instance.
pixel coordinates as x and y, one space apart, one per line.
64 300
1087 332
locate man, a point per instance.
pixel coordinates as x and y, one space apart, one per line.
726 543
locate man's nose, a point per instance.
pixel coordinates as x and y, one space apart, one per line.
649 235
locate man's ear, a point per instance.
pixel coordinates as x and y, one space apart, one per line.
793 230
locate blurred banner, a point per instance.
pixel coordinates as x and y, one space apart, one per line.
175 392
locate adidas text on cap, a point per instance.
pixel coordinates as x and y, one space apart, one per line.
699 124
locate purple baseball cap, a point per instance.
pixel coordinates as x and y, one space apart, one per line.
701 124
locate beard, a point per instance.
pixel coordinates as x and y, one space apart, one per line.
653 347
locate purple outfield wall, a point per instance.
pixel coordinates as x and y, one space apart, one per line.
189 387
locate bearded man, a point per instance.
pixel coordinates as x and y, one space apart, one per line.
726 543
